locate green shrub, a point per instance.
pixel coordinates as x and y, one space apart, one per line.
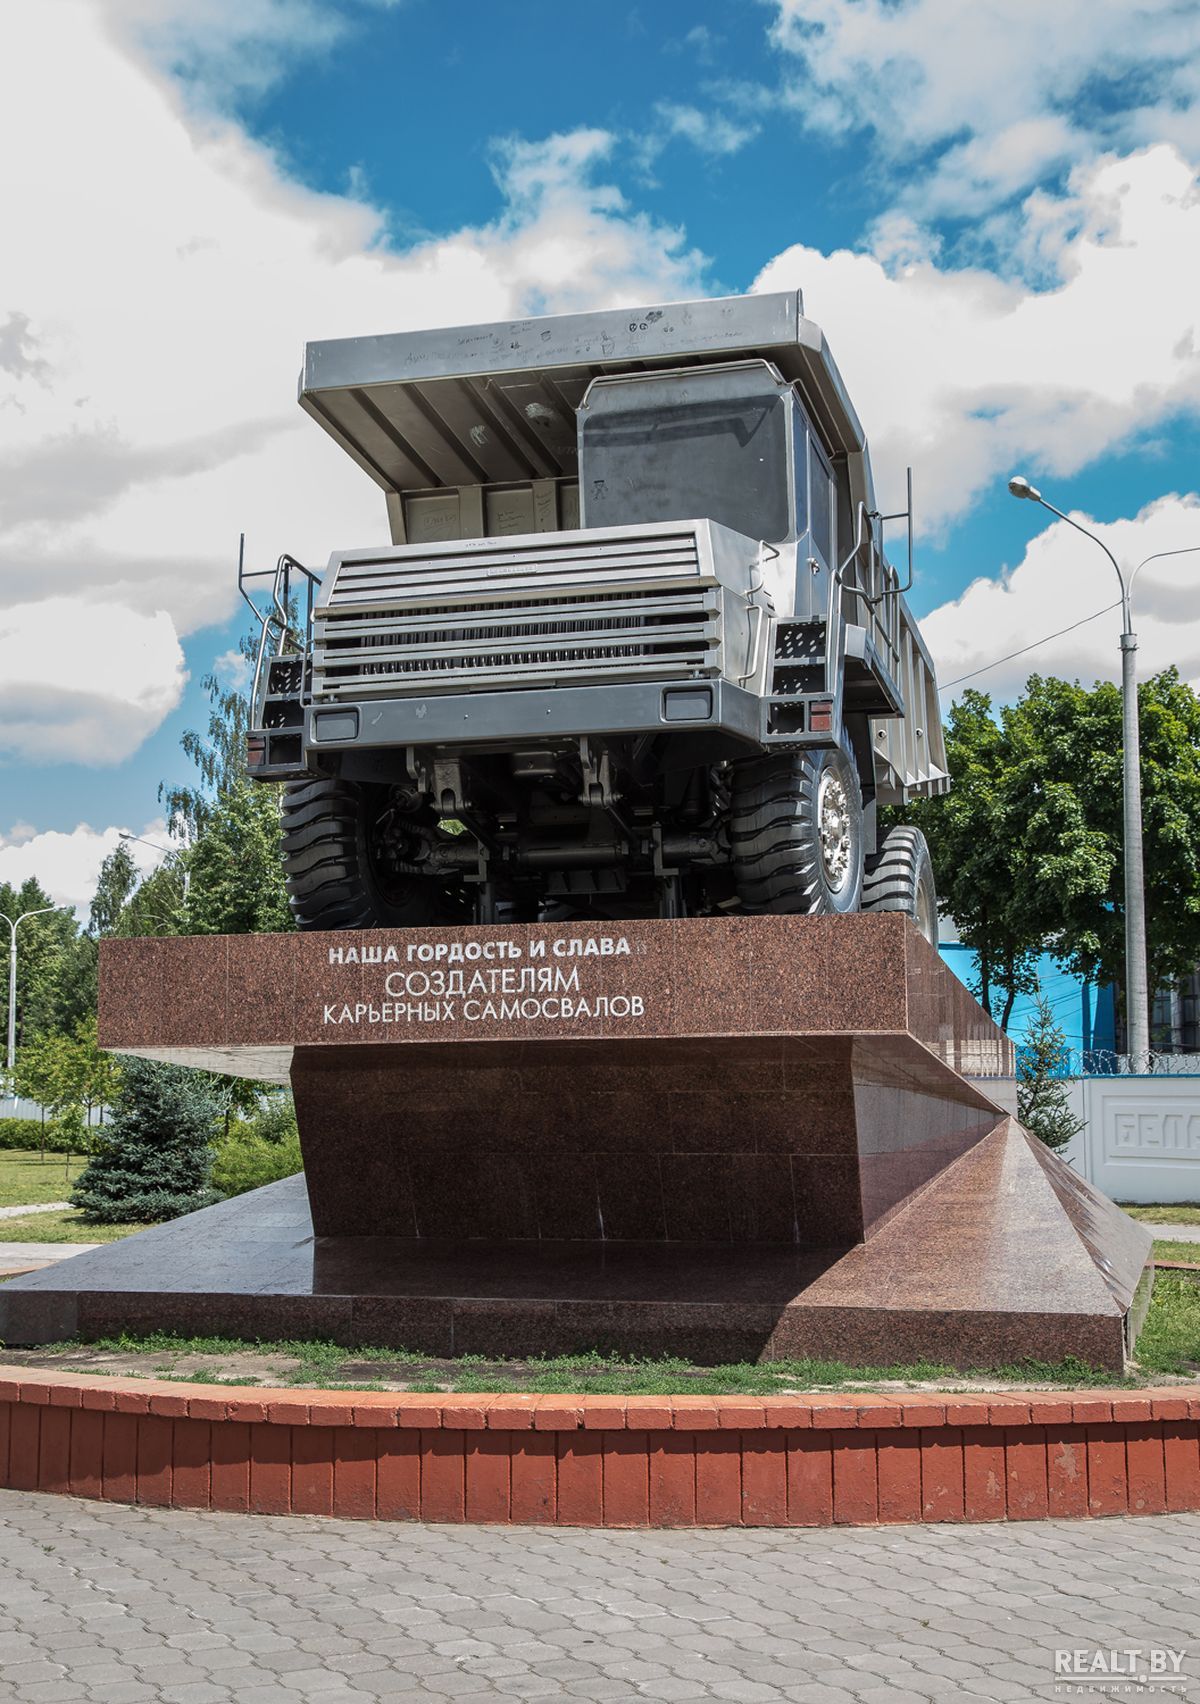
260 1149
154 1158
70 1130
245 1160
31 1135
275 1121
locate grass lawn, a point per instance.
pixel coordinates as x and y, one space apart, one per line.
1166 1213
1169 1346
1170 1339
26 1178
218 1360
1189 1252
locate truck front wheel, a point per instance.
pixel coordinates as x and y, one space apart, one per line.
796 824
336 871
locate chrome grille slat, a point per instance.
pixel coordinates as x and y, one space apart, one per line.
497 644
592 609
519 584
510 615
522 554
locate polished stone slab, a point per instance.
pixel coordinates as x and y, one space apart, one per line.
732 1139
727 1080
242 1003
724 1138
1006 1255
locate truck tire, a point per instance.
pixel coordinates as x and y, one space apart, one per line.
899 877
333 880
796 825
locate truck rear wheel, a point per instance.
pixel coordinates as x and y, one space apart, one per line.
899 877
796 825
336 876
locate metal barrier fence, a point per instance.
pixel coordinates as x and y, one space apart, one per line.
1102 1062
1073 1062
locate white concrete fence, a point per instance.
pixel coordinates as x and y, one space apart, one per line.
1141 1142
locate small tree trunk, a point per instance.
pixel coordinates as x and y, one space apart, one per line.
985 984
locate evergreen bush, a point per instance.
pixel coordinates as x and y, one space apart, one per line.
1043 1097
153 1161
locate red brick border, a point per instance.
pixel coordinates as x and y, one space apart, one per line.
603 1460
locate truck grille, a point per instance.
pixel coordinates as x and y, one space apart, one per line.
533 611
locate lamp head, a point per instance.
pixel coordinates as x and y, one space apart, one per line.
1022 488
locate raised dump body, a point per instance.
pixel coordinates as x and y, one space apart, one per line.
634 645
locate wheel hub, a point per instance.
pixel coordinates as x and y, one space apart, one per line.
833 828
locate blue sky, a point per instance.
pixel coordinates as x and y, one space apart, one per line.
1000 245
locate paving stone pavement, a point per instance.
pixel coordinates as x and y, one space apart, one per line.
119 1605
1174 1233
29 1256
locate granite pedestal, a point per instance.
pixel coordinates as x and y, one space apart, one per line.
733 1138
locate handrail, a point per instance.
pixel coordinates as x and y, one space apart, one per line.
277 617
902 515
879 570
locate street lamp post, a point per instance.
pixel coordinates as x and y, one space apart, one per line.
12 976
169 852
1137 993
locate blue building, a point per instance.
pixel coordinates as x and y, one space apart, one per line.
1085 1013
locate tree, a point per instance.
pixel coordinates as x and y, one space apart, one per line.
1072 737
261 1149
976 856
155 1159
91 1076
69 1076
72 995
219 754
235 869
159 905
1028 846
55 969
233 858
1043 1060
37 1076
114 888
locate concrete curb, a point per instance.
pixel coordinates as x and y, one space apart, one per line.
632 1461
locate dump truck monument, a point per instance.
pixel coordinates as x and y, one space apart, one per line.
589 1047
636 633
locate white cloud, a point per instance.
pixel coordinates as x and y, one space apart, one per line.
969 104
159 282
564 243
233 48
84 681
964 373
233 670
1061 578
68 864
711 132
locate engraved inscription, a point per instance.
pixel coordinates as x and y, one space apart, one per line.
452 981
1163 1131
